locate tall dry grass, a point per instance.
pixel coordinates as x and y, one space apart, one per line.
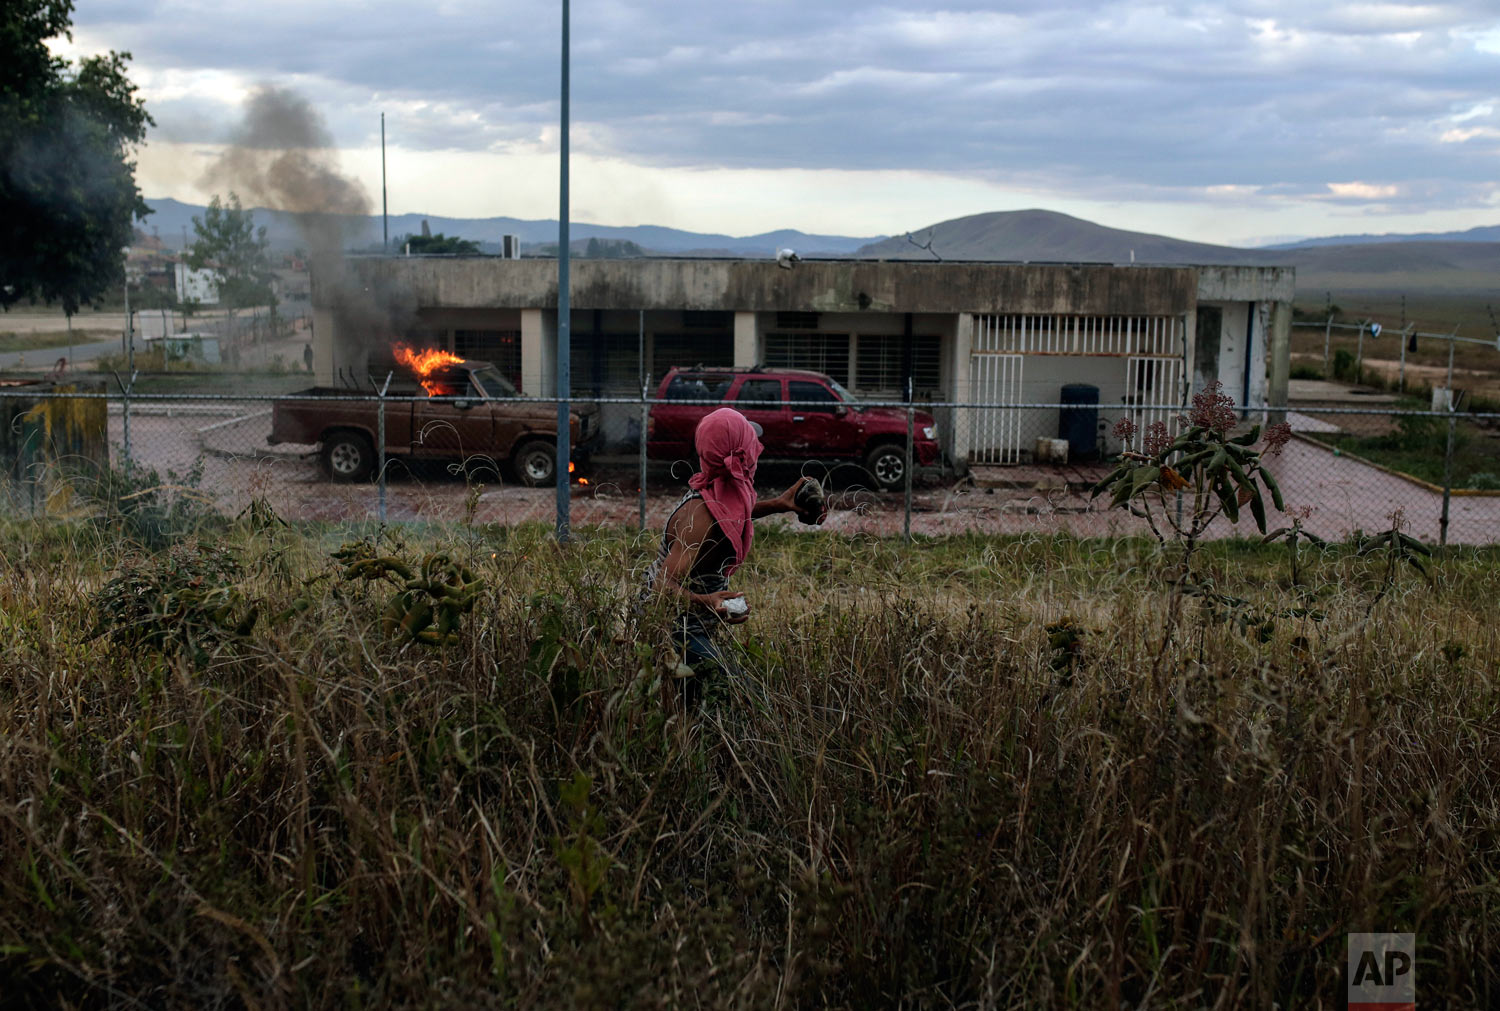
915 801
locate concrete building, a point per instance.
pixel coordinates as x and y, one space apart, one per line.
977 333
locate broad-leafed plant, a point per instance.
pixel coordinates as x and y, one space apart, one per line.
1180 485
1216 473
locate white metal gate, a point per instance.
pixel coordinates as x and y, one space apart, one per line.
1154 386
995 435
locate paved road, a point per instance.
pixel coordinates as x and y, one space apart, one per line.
43 358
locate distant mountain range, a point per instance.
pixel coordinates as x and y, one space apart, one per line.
1050 237
1484 233
1461 261
171 218
1468 264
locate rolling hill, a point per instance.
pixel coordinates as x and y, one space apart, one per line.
1483 233
1450 265
1047 236
171 217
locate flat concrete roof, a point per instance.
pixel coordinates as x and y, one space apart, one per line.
809 286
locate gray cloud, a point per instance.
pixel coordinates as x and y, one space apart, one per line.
1098 99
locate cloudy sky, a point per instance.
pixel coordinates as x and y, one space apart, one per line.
1235 122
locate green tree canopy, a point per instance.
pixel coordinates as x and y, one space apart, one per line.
68 199
438 245
229 243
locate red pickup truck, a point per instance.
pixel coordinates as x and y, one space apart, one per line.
826 423
472 414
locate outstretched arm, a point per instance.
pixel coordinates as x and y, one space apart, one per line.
784 503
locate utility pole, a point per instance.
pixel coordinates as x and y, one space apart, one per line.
385 225
129 326
564 308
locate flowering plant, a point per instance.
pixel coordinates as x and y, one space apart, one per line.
1220 472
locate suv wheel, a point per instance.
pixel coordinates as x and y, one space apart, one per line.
887 465
348 456
536 464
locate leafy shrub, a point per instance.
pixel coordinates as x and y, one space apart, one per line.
1419 433
182 600
150 509
430 600
1343 364
1484 481
1306 372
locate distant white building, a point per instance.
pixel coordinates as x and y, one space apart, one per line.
196 285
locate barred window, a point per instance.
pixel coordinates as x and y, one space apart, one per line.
686 350
878 368
817 352
502 348
605 362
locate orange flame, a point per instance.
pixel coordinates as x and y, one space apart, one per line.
583 480
423 363
570 466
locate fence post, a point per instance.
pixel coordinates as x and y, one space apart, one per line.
645 420
1401 381
1327 337
1447 474
125 389
1359 356
380 452
909 433
640 354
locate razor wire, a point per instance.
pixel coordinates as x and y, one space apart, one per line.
212 451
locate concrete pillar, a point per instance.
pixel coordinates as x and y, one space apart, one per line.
1189 353
961 391
746 340
1279 360
538 352
341 353
323 334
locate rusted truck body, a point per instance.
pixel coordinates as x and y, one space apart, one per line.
466 411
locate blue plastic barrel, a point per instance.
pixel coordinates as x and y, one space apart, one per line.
1080 425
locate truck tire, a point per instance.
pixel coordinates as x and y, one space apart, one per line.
348 456
535 463
886 463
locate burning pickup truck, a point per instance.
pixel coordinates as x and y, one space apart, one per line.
471 413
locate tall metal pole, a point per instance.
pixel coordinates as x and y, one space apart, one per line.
640 343
385 223
129 367
1448 451
130 329
564 307
380 453
906 528
1447 475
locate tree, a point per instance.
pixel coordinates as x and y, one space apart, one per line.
68 198
438 245
229 243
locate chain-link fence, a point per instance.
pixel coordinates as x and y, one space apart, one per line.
928 469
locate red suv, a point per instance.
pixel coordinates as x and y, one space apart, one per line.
826 423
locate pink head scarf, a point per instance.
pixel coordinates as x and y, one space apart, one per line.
727 452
